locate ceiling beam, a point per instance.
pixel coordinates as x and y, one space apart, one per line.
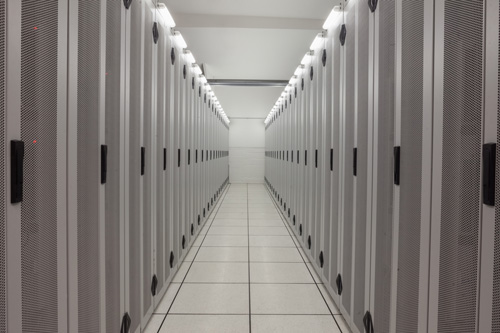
248 83
254 22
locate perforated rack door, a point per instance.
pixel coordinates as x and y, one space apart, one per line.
149 176
114 123
496 277
88 165
3 166
161 174
362 123
461 165
383 200
412 84
135 178
335 185
348 157
39 121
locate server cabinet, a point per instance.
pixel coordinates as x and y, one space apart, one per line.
337 163
114 136
349 158
489 317
383 164
457 153
86 204
412 193
3 175
43 117
136 165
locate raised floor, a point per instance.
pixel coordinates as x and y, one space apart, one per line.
246 273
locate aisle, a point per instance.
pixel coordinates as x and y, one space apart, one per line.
245 273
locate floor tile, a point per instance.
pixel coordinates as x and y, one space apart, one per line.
294 324
233 254
206 324
280 241
167 299
326 295
199 240
303 255
314 274
275 254
265 223
223 240
212 299
217 230
269 231
218 272
191 253
181 273
271 216
230 223
154 324
232 215
287 299
279 273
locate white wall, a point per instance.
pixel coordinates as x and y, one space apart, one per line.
246 150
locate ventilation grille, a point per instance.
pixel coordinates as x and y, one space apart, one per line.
113 185
348 160
384 195
161 175
362 179
496 277
135 219
39 34
3 327
148 143
462 140
411 165
88 165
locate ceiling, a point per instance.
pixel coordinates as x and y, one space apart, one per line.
257 40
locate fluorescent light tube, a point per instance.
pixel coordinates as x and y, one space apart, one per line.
180 40
165 14
334 14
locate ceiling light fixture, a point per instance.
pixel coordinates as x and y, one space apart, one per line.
167 17
334 14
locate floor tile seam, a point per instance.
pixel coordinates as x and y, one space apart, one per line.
249 274
178 290
317 286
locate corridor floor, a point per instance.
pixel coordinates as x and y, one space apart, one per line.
246 273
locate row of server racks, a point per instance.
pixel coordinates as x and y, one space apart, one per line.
381 153
113 153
